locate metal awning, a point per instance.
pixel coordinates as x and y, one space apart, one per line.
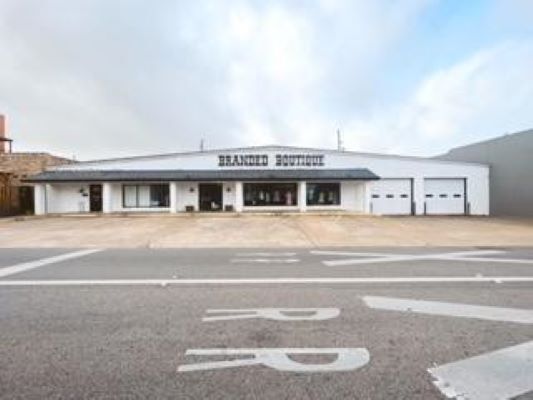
204 175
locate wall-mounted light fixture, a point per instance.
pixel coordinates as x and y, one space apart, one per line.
228 189
191 189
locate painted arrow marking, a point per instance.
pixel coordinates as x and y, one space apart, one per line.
517 315
502 374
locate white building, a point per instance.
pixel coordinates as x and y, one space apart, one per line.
267 178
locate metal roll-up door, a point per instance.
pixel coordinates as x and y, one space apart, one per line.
445 196
391 197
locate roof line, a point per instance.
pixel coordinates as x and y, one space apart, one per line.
494 139
205 175
265 147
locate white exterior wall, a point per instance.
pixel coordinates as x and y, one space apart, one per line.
107 197
355 196
477 195
39 193
67 198
302 196
239 197
173 190
228 194
186 197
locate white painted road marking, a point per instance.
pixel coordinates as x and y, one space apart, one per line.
276 314
15 269
495 260
521 316
266 260
411 257
373 258
244 281
502 374
347 359
350 253
265 254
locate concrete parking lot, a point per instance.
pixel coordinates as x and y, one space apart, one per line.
267 323
222 230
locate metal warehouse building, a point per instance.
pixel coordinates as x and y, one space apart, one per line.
267 178
510 158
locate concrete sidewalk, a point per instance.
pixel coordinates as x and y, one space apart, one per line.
263 231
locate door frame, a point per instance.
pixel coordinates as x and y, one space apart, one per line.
99 196
212 185
26 199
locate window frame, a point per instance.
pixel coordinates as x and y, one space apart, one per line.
318 183
136 186
295 193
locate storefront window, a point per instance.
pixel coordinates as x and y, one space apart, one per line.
319 194
145 196
270 194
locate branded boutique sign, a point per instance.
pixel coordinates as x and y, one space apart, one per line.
264 160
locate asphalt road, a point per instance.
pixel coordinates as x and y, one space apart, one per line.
369 323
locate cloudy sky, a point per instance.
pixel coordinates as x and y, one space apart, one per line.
104 78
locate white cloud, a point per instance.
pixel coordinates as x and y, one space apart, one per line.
488 93
295 73
100 78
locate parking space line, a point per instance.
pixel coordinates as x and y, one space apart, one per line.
244 281
488 313
15 269
502 374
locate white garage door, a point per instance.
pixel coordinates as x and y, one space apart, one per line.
391 197
445 196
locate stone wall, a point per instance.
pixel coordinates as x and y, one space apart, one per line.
14 167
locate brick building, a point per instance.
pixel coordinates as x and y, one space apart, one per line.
16 197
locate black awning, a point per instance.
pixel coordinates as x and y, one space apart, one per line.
204 175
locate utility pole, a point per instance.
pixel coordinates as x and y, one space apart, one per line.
201 144
340 146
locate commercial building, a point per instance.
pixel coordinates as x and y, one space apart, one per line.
266 178
16 196
510 158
